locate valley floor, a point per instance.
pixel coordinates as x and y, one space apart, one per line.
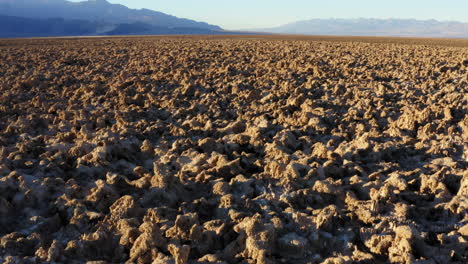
233 149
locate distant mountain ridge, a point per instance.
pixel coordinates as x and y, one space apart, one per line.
95 10
374 27
16 27
50 27
30 18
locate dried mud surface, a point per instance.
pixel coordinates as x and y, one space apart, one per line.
233 150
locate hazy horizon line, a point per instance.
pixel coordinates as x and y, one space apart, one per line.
353 18
198 19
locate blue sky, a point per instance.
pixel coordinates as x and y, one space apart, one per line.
247 14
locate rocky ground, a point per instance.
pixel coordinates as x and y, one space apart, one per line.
233 150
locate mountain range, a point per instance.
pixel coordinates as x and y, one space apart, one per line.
27 18
374 27
41 18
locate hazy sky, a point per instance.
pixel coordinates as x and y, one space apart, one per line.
246 14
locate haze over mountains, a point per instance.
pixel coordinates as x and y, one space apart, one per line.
92 17
29 18
375 27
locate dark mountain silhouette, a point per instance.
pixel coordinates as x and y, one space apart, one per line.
95 10
29 27
146 29
375 27
12 27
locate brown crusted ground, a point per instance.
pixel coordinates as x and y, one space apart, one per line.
233 150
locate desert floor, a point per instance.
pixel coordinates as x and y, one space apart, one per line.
234 149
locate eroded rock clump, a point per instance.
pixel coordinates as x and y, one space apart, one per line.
232 150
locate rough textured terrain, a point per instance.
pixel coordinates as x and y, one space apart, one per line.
233 150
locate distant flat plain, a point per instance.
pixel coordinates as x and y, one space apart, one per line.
455 42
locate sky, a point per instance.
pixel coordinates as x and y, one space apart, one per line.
251 14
